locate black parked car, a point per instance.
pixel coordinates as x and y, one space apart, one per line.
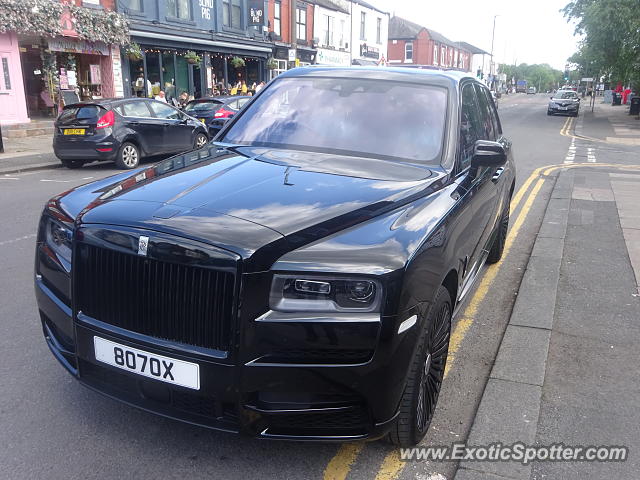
124 130
297 278
215 111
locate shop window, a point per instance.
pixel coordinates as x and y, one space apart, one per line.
169 76
231 13
379 31
301 23
153 72
135 5
363 25
179 9
408 52
277 12
6 78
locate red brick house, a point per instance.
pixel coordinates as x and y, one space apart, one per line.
413 45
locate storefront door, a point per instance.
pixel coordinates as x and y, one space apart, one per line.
12 104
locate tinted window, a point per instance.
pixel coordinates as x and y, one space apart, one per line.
242 102
233 105
348 116
470 125
135 109
488 131
87 112
162 110
203 106
567 95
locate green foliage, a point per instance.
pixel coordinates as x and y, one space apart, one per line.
192 57
134 52
543 76
611 38
43 17
237 62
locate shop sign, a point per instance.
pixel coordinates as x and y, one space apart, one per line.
71 45
369 52
255 12
292 54
332 57
205 8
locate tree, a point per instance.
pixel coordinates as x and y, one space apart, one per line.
611 38
543 76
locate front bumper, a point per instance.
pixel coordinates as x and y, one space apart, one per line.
262 398
567 109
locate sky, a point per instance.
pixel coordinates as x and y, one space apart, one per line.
526 32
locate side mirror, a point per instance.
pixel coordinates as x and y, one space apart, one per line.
488 154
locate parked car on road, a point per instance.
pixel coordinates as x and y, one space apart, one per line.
296 279
215 111
564 101
531 91
123 130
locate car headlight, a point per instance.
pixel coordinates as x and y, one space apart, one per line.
302 293
58 238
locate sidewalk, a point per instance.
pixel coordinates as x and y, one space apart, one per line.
27 153
610 124
567 368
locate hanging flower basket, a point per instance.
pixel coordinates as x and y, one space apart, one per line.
134 52
192 57
272 64
237 62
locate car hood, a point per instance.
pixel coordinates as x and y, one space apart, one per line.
225 195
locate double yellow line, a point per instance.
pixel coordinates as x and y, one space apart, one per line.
565 131
340 465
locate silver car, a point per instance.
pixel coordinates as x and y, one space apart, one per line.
564 101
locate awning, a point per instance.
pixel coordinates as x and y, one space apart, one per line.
199 41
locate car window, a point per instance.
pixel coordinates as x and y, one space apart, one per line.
487 131
567 95
470 125
233 105
346 116
242 102
135 109
202 106
162 110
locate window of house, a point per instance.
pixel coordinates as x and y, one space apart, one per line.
443 56
379 31
6 77
134 5
342 24
301 23
408 52
179 9
231 13
276 18
363 25
435 55
327 28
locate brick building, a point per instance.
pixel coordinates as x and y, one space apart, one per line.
413 45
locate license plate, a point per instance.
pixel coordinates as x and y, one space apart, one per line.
74 131
203 120
159 367
563 108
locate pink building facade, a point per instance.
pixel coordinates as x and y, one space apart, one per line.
13 108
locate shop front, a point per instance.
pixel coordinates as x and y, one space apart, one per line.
338 58
61 69
191 67
280 63
12 106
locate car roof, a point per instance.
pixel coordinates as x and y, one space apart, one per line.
398 74
221 98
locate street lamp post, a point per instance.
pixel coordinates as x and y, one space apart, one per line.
493 36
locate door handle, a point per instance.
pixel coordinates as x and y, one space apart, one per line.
496 175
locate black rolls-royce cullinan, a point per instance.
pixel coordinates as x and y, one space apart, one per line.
297 277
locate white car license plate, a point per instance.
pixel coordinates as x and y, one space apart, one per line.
165 369
563 108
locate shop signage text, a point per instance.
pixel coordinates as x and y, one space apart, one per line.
256 12
206 6
332 57
369 52
71 45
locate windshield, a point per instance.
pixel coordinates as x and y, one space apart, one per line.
566 95
202 106
356 117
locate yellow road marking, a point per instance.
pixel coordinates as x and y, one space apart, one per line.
340 464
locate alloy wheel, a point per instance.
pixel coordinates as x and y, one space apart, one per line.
435 358
130 156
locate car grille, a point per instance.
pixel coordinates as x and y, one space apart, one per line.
181 303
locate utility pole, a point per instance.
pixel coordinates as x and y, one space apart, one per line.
294 27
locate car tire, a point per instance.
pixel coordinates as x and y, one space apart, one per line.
426 373
549 112
495 254
128 156
200 141
72 164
